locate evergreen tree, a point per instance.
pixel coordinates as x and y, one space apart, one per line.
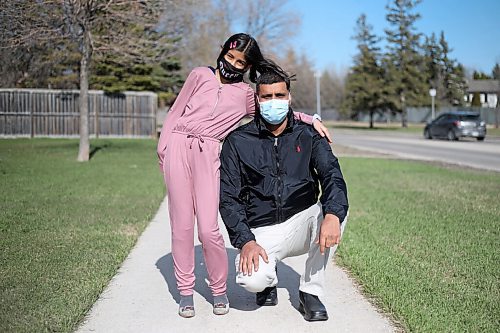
63 65
404 63
476 100
457 85
444 74
113 75
453 75
433 66
496 72
153 66
478 75
365 81
496 76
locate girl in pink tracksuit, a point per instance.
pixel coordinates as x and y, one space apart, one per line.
210 104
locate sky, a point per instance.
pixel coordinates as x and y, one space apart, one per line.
472 29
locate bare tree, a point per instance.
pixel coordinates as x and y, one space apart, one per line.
206 24
23 58
202 34
332 89
128 28
303 88
269 22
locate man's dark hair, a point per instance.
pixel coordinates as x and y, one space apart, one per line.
274 75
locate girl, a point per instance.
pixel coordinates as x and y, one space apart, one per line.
210 104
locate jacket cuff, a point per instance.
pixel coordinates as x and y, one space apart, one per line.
245 240
338 211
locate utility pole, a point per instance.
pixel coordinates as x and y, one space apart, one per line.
432 93
317 75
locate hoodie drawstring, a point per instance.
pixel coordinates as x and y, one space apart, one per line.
193 136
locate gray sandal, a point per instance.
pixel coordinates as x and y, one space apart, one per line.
221 308
186 311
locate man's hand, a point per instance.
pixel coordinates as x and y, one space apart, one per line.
321 129
329 232
249 257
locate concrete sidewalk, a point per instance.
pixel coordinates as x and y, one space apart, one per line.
142 297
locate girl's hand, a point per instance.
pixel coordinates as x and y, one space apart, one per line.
322 130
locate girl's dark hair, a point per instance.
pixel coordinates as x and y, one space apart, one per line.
248 45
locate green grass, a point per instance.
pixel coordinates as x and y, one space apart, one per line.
424 242
65 227
422 239
493 131
391 127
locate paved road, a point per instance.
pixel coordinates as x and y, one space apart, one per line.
467 152
142 297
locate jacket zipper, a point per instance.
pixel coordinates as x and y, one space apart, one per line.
279 217
216 100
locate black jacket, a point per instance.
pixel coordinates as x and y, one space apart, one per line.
266 179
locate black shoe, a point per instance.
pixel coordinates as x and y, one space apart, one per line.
311 307
267 297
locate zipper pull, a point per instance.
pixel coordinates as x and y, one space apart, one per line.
276 142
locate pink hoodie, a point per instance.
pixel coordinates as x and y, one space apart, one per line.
208 108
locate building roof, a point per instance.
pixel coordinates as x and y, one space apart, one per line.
484 86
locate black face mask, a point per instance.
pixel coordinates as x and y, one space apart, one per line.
228 71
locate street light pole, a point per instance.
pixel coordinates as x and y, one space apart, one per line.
318 95
432 93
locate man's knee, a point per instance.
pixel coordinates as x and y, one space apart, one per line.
260 280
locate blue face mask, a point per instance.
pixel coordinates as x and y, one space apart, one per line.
274 111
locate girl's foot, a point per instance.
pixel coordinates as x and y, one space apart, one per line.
186 311
221 305
186 306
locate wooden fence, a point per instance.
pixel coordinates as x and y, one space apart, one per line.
39 112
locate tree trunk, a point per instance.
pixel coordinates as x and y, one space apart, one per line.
83 153
371 119
404 122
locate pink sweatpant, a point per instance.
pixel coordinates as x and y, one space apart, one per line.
191 171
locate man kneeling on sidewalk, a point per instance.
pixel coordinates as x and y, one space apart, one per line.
271 169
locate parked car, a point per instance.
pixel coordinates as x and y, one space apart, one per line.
455 125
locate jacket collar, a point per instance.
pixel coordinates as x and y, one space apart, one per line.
261 125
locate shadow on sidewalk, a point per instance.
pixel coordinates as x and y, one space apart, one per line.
239 298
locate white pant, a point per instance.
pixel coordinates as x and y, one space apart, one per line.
294 237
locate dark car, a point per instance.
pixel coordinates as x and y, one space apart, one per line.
455 125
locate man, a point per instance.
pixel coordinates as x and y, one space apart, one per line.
271 169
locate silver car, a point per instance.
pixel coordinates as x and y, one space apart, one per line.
455 125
